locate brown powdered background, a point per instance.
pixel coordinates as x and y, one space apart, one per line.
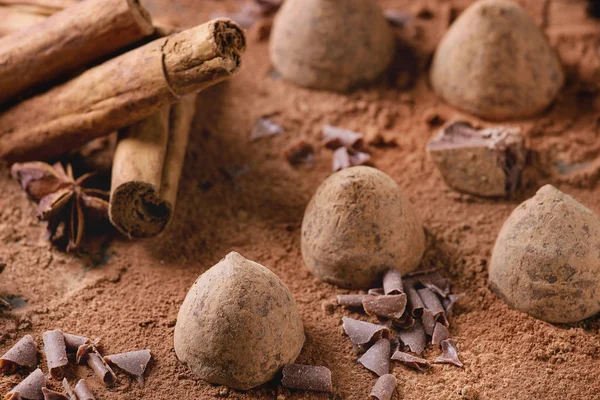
242 196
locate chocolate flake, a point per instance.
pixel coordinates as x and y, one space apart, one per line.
265 127
69 390
74 342
428 319
56 352
101 368
440 333
300 152
133 362
386 306
82 353
334 138
22 355
486 162
83 392
450 301
434 310
405 322
415 304
341 159
307 377
351 300
392 282
31 387
384 387
418 363
414 338
52 395
377 358
362 333
449 353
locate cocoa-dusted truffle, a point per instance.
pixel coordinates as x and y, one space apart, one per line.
494 62
331 45
357 226
238 325
546 260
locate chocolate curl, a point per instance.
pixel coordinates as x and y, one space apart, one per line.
67 387
351 300
56 352
101 369
307 377
23 354
440 333
82 353
415 304
376 292
384 387
405 322
392 282
30 388
433 312
82 391
418 363
414 338
449 353
74 342
386 306
334 138
362 334
133 362
377 358
52 395
450 301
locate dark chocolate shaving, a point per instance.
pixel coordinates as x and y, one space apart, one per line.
52 395
376 292
384 387
265 127
31 387
101 369
68 389
133 362
415 305
22 355
428 319
377 358
450 301
74 342
351 300
334 138
56 352
307 377
433 306
341 159
440 333
82 391
405 322
392 282
418 363
414 337
386 306
449 353
363 334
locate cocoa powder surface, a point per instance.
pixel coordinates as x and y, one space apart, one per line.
245 197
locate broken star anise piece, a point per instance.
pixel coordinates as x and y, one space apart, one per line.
62 198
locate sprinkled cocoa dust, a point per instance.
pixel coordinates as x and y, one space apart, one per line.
129 294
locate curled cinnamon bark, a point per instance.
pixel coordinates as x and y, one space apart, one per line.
121 91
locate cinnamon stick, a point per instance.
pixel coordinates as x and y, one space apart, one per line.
68 40
121 91
146 170
15 19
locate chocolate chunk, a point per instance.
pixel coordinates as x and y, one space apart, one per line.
450 301
449 353
351 300
52 395
376 292
82 391
264 127
334 138
133 362
56 352
69 390
384 387
300 152
415 304
101 368
411 361
359 158
392 282
363 334
485 162
440 333
386 306
22 355
73 342
414 338
31 387
307 377
341 159
377 358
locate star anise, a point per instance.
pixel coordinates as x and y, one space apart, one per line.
62 198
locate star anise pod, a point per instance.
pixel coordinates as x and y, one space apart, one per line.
62 198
